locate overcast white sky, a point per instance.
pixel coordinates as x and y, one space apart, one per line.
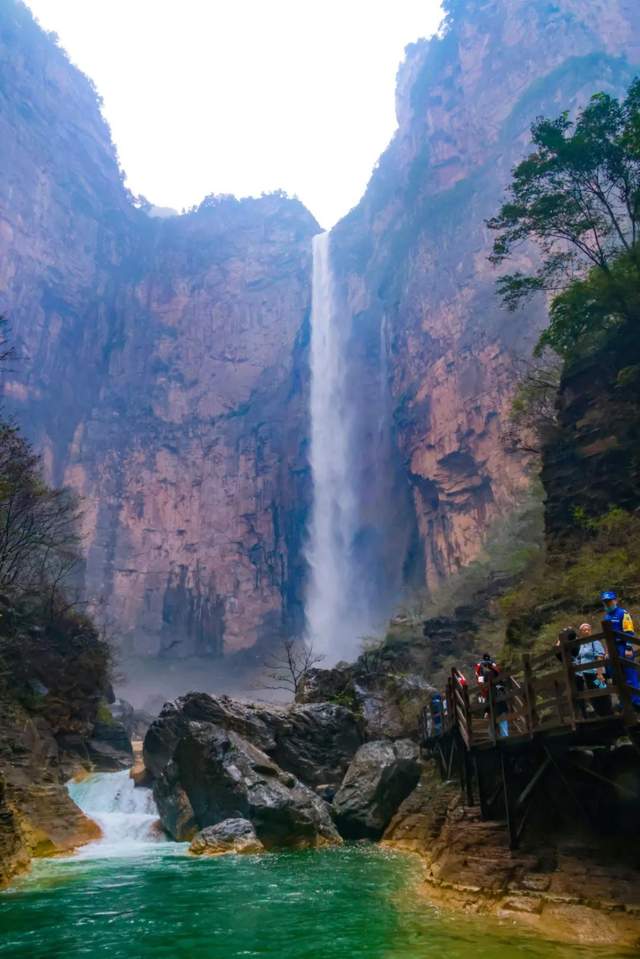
243 96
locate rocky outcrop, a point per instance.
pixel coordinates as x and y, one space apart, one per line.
109 747
214 758
562 883
174 348
135 721
315 742
412 256
591 461
224 777
386 692
381 775
231 835
37 817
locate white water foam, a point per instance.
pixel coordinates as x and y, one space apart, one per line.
126 814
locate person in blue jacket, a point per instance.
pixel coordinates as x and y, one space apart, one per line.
623 625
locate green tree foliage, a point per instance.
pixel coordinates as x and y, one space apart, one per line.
38 525
589 311
44 637
577 198
564 587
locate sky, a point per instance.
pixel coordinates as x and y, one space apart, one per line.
244 96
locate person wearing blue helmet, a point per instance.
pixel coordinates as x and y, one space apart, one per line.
623 625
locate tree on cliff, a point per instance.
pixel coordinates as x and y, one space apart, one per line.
577 198
38 524
286 668
43 635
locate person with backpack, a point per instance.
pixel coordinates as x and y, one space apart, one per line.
589 651
485 670
622 623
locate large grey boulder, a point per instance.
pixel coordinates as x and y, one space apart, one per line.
315 742
380 777
223 776
229 836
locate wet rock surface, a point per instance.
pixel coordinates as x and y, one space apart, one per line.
37 817
387 698
229 836
315 742
380 776
579 889
224 776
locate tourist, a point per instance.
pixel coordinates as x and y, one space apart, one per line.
589 651
485 670
621 620
437 710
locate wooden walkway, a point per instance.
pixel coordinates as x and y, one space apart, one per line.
501 738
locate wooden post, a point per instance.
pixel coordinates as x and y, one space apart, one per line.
467 714
570 680
492 710
628 712
529 694
509 806
482 785
450 706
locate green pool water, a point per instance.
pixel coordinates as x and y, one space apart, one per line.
344 903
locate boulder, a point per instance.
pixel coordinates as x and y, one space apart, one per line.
109 748
380 777
230 835
224 776
315 742
135 721
162 737
387 699
175 810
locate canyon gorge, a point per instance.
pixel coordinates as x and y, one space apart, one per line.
163 367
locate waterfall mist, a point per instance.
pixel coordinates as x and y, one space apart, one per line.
357 538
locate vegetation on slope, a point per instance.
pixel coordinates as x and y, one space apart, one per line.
53 659
576 197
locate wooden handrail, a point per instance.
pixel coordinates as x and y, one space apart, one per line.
543 695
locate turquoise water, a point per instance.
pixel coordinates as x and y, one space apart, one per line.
347 903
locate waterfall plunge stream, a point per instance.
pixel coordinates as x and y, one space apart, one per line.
125 813
337 613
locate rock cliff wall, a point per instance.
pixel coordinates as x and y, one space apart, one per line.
591 463
164 360
161 371
413 253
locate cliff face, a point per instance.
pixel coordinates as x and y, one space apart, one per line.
164 360
413 254
592 462
162 370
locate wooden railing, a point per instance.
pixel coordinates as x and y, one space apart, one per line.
543 695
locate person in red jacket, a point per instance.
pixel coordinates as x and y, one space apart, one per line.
485 670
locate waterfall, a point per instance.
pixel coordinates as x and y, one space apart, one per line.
335 616
125 813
